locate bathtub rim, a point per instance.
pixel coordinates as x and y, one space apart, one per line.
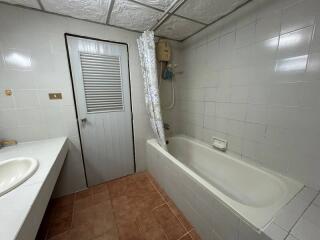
243 212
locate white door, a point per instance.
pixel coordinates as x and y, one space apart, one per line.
102 92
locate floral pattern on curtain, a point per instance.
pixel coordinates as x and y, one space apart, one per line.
146 46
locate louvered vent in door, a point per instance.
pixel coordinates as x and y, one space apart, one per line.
102 82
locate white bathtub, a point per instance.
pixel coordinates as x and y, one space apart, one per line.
253 194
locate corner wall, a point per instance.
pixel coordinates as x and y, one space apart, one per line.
254 79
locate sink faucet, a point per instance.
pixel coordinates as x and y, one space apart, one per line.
5 143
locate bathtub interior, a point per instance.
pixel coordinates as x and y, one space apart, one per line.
230 177
191 191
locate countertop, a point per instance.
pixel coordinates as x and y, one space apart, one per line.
22 209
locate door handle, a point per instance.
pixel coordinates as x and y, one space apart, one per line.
83 121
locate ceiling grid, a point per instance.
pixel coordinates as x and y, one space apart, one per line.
109 11
187 18
41 5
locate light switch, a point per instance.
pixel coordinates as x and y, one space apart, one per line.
55 96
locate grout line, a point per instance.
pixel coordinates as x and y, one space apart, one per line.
161 205
170 208
179 219
183 235
109 11
300 216
219 18
162 10
155 187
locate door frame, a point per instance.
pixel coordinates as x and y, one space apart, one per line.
74 96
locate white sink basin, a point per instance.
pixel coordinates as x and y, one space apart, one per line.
15 171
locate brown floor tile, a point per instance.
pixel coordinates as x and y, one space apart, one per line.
187 225
83 194
129 231
171 225
97 213
58 227
57 214
62 236
118 187
150 228
62 201
130 208
194 235
186 237
103 187
110 235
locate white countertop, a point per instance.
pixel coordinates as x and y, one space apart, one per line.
22 209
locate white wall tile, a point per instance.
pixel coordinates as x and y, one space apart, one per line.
308 227
257 113
313 67
315 44
6 102
26 98
294 210
298 16
239 94
245 35
263 69
274 232
268 26
295 44
210 108
265 51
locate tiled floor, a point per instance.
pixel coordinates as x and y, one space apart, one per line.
129 208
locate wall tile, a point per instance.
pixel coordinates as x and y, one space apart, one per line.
294 210
315 44
210 108
6 102
295 44
239 94
313 67
26 98
308 227
245 35
268 26
274 232
265 51
8 118
263 70
257 113
297 16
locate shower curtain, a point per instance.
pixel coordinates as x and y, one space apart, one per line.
147 55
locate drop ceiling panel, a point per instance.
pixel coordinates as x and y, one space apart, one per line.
161 4
207 11
96 11
133 16
178 28
26 3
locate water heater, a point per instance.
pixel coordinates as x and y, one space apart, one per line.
163 51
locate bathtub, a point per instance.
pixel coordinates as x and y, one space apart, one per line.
205 183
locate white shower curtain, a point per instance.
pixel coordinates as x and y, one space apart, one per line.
147 55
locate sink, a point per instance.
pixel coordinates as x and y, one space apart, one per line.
15 171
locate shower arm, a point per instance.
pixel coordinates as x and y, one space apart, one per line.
173 7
